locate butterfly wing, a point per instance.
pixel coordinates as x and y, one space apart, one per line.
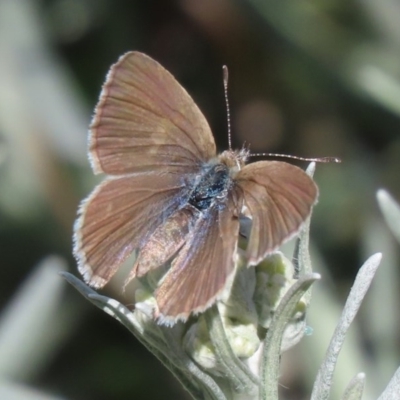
279 198
146 121
203 266
118 217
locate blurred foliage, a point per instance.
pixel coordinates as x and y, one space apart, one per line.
310 78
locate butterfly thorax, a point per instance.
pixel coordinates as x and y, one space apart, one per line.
216 180
213 184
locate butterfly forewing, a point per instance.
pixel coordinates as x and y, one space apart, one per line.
146 121
119 216
279 198
202 268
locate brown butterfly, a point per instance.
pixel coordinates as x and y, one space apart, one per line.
168 195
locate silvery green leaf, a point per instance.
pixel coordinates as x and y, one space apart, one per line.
241 377
272 345
17 391
34 307
392 390
363 280
391 212
355 388
301 258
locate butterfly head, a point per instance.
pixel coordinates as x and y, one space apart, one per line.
234 159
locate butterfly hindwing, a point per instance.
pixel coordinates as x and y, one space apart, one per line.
279 197
203 266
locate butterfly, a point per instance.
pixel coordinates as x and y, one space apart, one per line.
171 198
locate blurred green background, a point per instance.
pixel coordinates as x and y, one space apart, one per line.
309 78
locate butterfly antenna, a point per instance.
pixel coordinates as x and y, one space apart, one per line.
228 112
319 160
